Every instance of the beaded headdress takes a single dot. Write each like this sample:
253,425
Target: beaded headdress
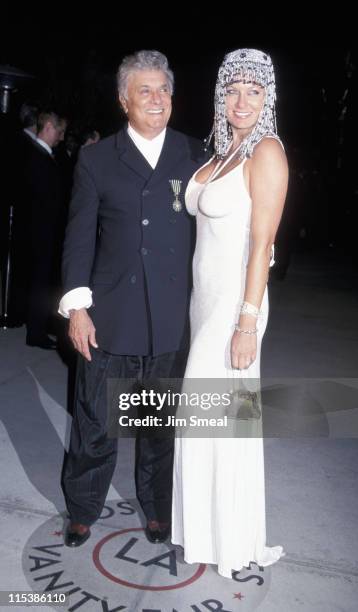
249,65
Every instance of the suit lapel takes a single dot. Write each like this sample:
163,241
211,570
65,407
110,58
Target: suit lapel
170,156
131,156
43,151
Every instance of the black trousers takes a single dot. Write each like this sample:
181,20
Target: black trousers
42,295
92,455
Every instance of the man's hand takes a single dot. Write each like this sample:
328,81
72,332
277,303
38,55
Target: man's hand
82,332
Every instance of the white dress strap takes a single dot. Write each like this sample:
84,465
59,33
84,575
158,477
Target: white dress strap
221,165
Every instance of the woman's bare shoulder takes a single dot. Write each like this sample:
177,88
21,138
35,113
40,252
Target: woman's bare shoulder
269,156
267,148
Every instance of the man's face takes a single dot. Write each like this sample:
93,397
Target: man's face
148,103
56,132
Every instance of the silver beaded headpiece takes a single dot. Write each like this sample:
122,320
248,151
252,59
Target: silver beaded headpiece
249,65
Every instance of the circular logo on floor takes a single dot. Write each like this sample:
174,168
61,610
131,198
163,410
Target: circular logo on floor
118,569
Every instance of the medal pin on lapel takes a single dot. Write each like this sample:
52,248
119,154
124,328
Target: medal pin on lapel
176,187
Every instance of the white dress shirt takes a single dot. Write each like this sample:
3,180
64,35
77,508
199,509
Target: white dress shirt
30,133
150,149
81,297
44,145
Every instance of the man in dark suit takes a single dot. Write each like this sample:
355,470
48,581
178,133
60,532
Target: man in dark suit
127,257
19,148
45,201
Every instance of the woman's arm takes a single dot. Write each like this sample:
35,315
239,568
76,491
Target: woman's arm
268,178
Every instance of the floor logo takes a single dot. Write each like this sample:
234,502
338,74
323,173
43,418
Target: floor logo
118,569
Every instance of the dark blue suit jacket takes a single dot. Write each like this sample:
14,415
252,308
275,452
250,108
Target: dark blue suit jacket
126,243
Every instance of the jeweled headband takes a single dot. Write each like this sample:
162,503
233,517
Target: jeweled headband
249,65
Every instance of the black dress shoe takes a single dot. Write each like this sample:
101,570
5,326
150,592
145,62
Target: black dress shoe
157,533
44,343
74,538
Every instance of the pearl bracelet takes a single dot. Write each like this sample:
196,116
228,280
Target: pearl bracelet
245,331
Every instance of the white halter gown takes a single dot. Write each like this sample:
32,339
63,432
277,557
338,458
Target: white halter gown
218,513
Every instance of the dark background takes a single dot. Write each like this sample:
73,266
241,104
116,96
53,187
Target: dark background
74,69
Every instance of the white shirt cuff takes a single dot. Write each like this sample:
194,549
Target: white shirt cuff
81,297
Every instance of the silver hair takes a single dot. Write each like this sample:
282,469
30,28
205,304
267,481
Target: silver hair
253,66
28,115
142,60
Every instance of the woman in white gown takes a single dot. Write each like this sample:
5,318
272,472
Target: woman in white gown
218,513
